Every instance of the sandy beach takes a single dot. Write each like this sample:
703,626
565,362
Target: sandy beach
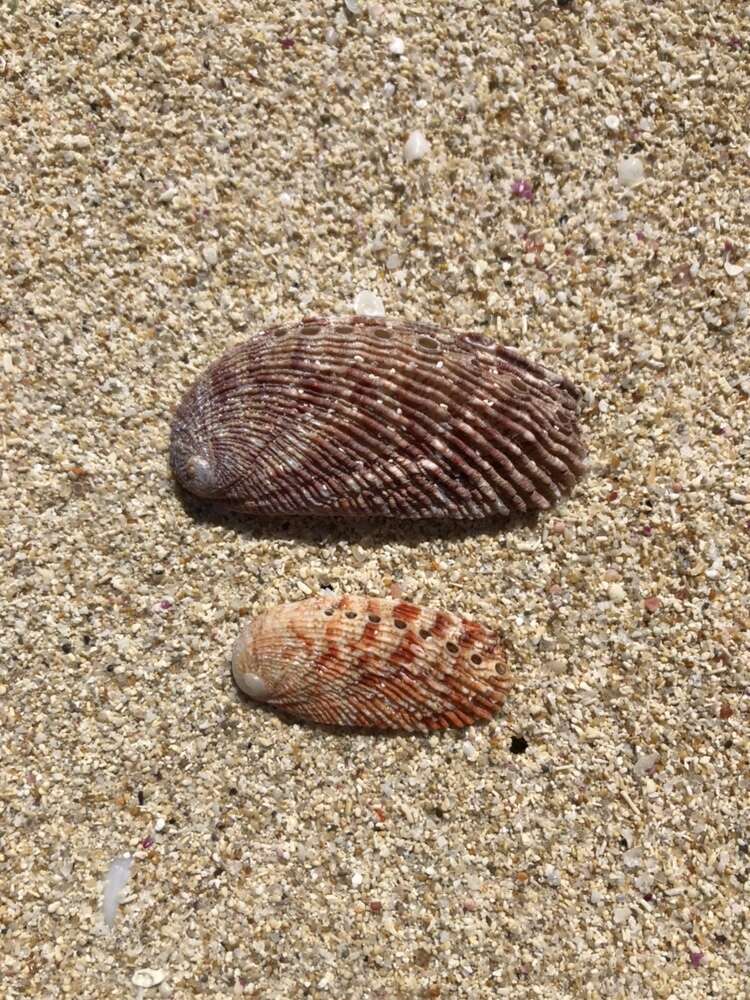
173,179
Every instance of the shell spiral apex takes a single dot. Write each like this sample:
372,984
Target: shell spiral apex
368,416
374,663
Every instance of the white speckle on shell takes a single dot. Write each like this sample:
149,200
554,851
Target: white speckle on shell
416,147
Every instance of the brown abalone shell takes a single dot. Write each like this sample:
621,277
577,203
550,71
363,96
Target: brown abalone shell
369,416
363,661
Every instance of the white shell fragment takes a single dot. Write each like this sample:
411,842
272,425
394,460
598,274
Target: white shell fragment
612,122
417,146
368,304
146,978
733,270
397,47
630,171
117,877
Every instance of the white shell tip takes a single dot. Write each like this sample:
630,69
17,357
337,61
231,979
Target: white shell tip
200,472
250,683
253,686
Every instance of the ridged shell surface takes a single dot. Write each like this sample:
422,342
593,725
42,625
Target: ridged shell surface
361,661
368,416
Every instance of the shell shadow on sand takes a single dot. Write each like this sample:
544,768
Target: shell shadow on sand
455,735
369,532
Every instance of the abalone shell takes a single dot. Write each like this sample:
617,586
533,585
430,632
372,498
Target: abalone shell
369,416
375,663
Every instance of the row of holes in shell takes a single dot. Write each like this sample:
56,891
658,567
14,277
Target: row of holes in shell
476,659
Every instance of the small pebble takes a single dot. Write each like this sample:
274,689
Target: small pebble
620,914
612,122
417,146
632,858
644,763
630,171
470,751
552,875
396,47
368,304
146,978
617,593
